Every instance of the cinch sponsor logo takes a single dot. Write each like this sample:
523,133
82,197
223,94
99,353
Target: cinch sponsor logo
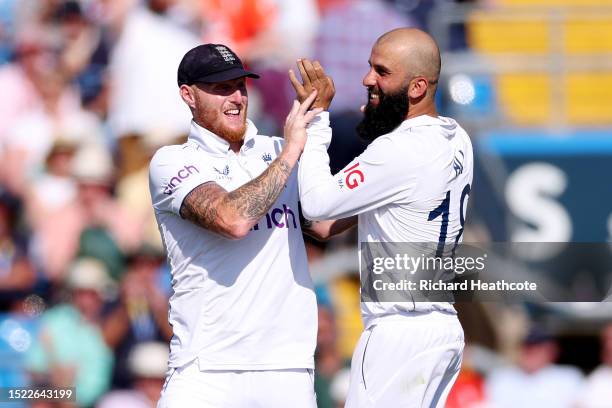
182,174
278,218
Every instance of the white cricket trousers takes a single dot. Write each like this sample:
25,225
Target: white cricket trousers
188,387
406,361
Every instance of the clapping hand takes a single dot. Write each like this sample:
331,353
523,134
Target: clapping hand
314,78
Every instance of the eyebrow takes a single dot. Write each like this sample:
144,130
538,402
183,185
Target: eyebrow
380,68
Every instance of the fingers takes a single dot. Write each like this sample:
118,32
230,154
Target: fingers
307,102
330,82
310,70
311,114
297,85
319,71
292,112
305,78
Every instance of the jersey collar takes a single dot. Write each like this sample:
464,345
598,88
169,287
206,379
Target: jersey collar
426,120
212,143
446,126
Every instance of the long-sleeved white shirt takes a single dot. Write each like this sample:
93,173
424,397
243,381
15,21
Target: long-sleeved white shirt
411,185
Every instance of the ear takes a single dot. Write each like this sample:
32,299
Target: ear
417,87
187,95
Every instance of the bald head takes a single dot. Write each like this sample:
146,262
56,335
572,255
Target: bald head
403,75
416,50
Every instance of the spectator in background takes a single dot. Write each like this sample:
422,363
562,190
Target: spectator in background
597,392
142,76
51,193
328,361
7,27
17,277
86,47
21,79
240,24
107,232
94,225
147,364
133,189
18,327
536,381
70,350
347,31
141,314
17,307
31,137
80,38
269,35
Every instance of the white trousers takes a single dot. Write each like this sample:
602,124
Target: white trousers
188,387
406,361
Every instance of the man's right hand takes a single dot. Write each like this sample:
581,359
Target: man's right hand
297,120
313,77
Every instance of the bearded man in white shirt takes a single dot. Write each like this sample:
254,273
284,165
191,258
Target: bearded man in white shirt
243,311
410,185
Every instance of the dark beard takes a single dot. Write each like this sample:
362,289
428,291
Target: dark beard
390,112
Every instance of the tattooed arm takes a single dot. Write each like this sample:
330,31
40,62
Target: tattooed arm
233,214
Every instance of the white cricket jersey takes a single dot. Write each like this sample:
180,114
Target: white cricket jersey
411,185
237,304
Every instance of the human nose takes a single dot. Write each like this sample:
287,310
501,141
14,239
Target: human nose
236,96
369,79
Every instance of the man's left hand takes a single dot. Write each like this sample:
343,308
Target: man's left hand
313,77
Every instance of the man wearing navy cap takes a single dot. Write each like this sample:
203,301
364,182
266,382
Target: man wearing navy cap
243,311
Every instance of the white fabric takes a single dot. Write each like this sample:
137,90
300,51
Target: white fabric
295,29
54,191
189,386
406,362
237,304
124,399
143,69
597,391
553,386
393,186
34,132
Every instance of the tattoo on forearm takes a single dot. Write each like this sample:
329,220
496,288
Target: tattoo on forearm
253,199
199,205
250,201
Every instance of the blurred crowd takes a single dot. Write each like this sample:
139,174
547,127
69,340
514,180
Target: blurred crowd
88,93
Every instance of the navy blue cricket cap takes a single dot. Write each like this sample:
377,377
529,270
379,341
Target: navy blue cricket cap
211,63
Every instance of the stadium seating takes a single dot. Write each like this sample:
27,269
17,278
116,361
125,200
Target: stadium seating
571,38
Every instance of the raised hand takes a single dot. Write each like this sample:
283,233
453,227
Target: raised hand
298,118
313,77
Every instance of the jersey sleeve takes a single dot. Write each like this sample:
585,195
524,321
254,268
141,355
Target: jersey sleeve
380,175
174,173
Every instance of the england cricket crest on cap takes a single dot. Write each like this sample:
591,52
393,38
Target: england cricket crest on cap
227,55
